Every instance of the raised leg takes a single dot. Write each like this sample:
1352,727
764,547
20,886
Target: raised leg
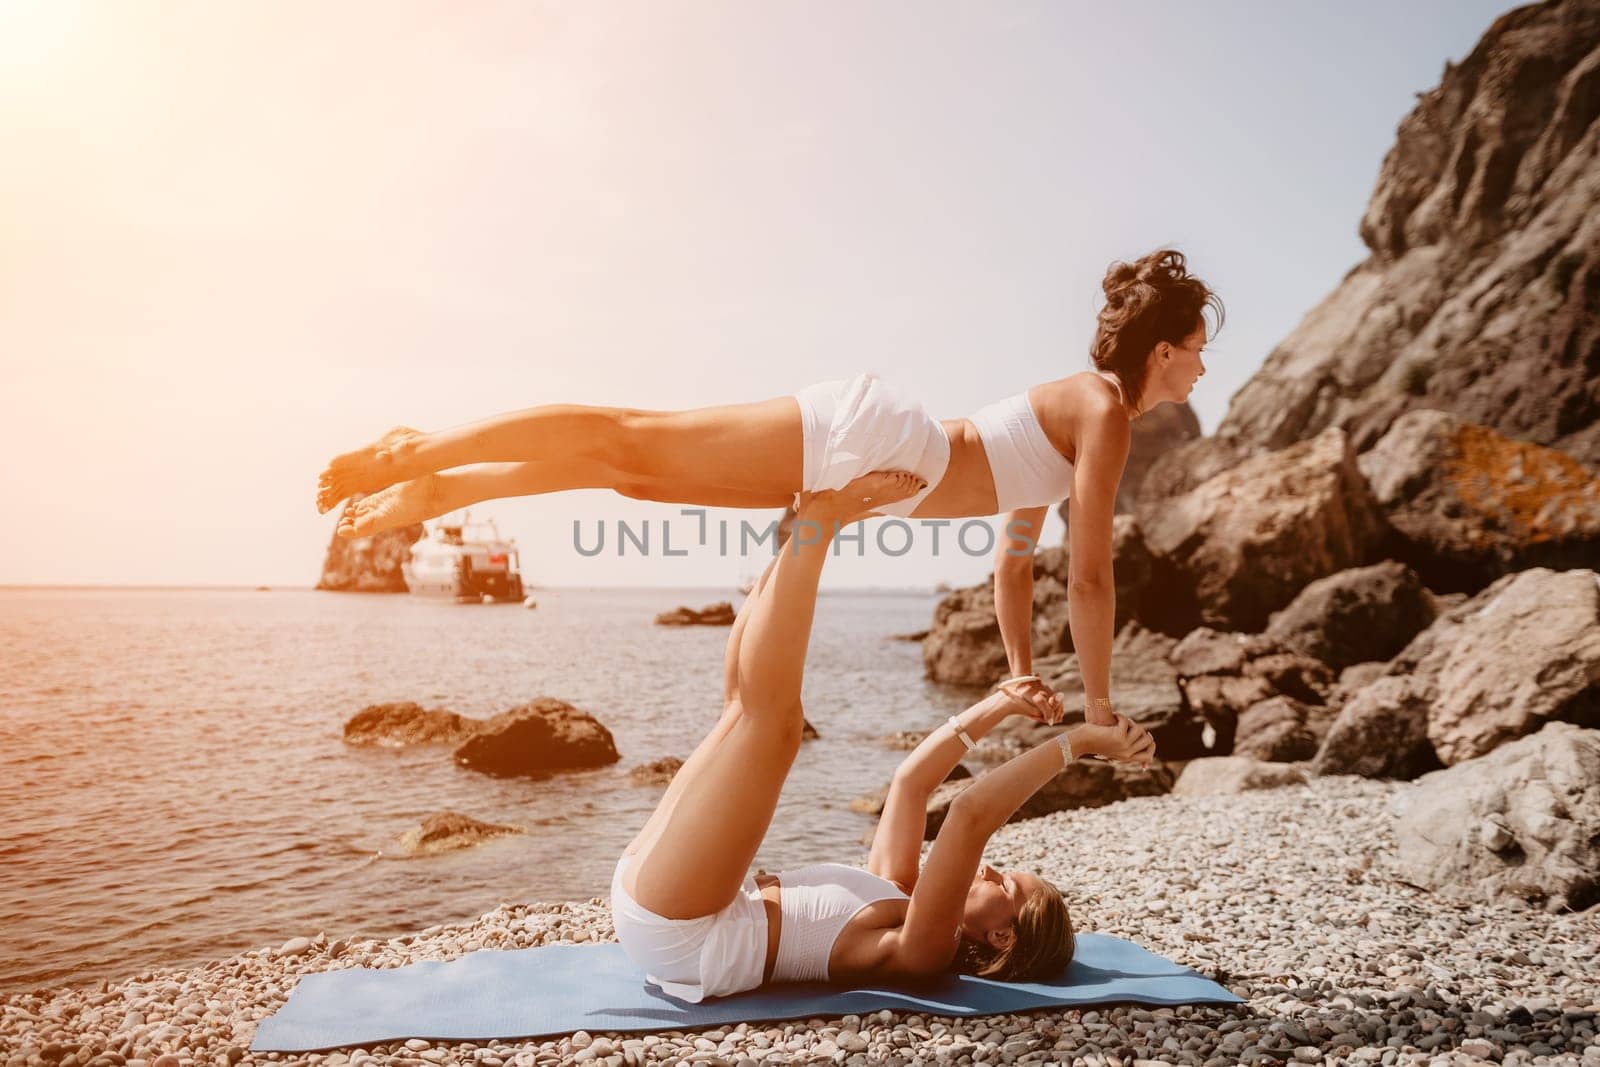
753,447
730,711
432,495
708,835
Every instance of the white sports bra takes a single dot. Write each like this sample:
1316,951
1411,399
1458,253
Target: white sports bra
1028,471
816,903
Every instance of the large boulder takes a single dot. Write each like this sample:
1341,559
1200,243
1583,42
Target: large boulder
1277,730
1528,653
1224,676
1357,615
369,564
1217,775
407,723
538,739
1245,542
1481,289
1466,505
1190,465
1523,821
1382,732
1498,666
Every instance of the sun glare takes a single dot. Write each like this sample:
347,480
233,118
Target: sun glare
34,33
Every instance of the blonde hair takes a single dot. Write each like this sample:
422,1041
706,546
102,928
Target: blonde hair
1042,949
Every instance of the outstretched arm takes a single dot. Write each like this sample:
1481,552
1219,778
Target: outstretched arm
897,844
933,920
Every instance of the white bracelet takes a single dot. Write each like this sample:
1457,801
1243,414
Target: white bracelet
1064,743
965,740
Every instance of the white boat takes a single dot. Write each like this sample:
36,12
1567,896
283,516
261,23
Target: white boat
466,561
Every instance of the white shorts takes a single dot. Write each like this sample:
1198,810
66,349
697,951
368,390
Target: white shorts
692,959
858,425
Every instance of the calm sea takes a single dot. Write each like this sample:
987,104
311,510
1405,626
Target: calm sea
174,787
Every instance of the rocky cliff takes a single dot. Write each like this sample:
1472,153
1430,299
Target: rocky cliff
1384,562
369,564
1481,295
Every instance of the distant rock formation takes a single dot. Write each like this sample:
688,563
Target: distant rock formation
369,564
1481,295
718,614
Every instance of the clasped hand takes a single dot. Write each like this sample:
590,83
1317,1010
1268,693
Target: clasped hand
1124,741
1038,701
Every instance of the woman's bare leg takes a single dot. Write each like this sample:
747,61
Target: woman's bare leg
755,447
709,833
433,495
730,712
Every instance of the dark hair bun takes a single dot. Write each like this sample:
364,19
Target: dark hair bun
1150,300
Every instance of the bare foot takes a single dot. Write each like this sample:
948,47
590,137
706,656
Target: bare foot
366,470
859,499
388,509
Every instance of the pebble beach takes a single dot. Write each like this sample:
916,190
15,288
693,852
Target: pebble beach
1285,896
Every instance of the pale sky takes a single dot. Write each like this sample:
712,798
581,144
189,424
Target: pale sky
237,238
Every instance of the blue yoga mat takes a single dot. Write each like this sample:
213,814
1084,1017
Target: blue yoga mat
556,989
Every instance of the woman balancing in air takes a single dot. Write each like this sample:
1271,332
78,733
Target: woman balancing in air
1019,456
691,917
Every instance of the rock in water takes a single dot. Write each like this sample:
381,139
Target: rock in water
1481,291
1523,820
536,739
656,772
1467,505
719,614
369,564
407,723
448,831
